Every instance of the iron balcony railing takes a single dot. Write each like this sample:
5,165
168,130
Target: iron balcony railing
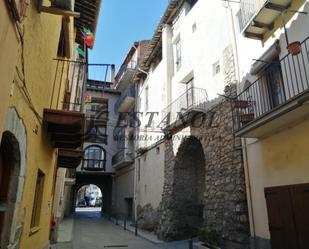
193,99
248,8
279,82
123,156
74,75
129,92
94,165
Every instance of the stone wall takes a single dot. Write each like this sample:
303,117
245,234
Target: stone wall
148,218
224,198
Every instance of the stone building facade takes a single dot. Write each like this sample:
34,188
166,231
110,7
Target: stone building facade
204,180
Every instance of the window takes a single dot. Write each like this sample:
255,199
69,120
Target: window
94,157
216,68
190,93
241,25
274,83
190,84
178,55
61,45
37,204
146,98
194,27
158,150
139,169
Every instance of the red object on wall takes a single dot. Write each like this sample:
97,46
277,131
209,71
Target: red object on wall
53,222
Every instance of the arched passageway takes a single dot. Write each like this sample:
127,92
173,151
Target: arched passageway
189,184
102,181
88,198
9,185
184,204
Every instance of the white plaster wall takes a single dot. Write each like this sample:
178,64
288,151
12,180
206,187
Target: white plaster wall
156,95
111,147
124,188
149,186
201,48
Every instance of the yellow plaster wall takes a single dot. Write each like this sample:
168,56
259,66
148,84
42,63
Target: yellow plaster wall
41,37
281,159
8,56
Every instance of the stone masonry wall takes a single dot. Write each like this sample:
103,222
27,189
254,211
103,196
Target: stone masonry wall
224,202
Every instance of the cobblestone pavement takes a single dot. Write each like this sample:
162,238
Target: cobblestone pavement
91,231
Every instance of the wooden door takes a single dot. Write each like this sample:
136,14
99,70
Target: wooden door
300,200
1,176
280,217
288,216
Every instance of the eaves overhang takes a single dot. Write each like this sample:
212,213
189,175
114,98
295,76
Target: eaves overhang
263,21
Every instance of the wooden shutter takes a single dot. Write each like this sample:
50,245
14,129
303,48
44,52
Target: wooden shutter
280,217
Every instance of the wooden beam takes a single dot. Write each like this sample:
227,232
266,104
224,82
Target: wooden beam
253,35
56,11
68,39
263,25
277,7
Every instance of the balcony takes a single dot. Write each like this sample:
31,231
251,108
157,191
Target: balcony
126,74
68,158
277,99
65,128
123,158
258,16
96,120
94,158
126,101
185,108
64,120
93,165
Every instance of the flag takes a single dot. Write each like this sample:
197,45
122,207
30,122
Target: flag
81,52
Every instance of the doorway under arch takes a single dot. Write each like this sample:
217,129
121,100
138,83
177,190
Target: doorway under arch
184,205
10,162
88,198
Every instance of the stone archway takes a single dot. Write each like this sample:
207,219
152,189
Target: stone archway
13,150
81,193
104,182
182,200
9,181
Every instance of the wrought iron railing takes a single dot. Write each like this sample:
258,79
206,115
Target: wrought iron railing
124,155
278,83
72,75
129,92
193,99
93,165
248,8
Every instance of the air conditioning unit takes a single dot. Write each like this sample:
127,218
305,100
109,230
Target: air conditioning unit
63,4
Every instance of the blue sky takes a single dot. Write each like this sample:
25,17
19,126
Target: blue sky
122,22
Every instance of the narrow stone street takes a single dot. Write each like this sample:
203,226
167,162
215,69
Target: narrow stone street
91,231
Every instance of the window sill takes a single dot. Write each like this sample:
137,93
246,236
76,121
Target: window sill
34,230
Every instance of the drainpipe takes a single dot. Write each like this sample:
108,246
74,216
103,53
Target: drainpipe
243,140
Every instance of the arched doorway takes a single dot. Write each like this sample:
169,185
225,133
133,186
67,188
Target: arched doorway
89,198
9,184
184,205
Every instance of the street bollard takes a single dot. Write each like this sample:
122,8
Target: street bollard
136,226
125,223
190,243
117,220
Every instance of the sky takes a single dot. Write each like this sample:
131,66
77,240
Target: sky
121,22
